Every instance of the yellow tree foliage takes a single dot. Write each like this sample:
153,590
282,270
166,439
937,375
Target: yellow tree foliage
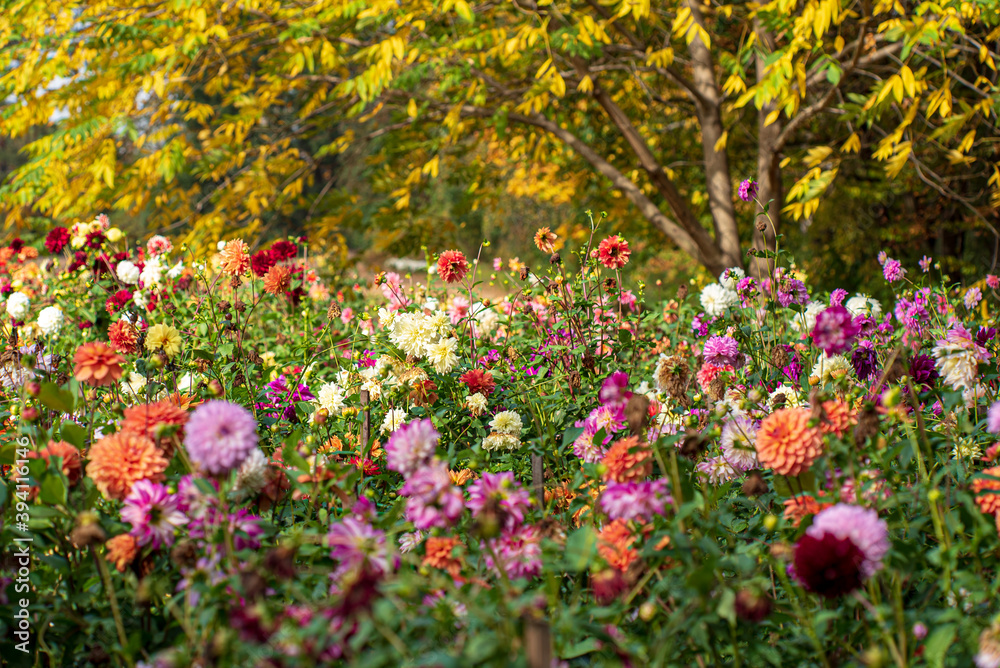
213,115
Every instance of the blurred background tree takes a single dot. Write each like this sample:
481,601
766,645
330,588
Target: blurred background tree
388,126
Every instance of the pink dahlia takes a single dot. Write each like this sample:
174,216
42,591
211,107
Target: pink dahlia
518,551
411,446
354,543
721,350
500,495
433,501
633,500
843,547
152,512
835,330
452,266
993,418
219,436
613,252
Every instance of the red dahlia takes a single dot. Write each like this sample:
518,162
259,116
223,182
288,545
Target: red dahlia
261,262
478,380
284,250
613,252
828,566
452,266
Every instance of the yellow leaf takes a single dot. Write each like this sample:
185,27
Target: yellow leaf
838,44
906,74
720,145
586,85
463,10
411,108
772,117
852,145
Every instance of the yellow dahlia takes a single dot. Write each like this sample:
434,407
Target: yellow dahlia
165,338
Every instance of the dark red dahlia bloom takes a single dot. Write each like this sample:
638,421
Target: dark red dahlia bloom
57,239
478,380
284,250
79,261
117,301
16,244
95,239
452,266
828,566
261,261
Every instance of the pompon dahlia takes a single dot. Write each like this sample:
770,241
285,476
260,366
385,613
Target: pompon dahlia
277,280
119,461
987,490
123,337
842,548
70,455
122,550
148,419
613,252
284,250
720,351
235,258
220,435
838,418
786,443
452,266
628,460
97,364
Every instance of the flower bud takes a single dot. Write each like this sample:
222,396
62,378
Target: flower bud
33,388
30,414
646,611
215,388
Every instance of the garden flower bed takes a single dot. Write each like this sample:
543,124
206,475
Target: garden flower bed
237,460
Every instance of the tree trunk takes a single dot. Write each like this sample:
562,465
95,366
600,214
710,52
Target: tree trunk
769,190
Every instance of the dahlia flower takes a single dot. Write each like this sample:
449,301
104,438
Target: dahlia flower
50,320
96,364
18,305
411,446
958,356
786,443
843,547
715,299
720,351
452,266
220,436
518,551
119,461
432,501
152,512
507,422
835,330
613,252
635,500
163,337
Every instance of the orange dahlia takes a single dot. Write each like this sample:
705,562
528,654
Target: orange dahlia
459,478
786,443
545,240
989,502
123,337
277,280
614,544
121,551
145,419
235,258
839,418
802,506
71,462
439,554
97,364
119,461
627,460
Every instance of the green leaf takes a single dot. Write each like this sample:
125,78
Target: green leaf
727,606
579,649
937,645
56,398
571,435
580,548
73,433
624,337
53,490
